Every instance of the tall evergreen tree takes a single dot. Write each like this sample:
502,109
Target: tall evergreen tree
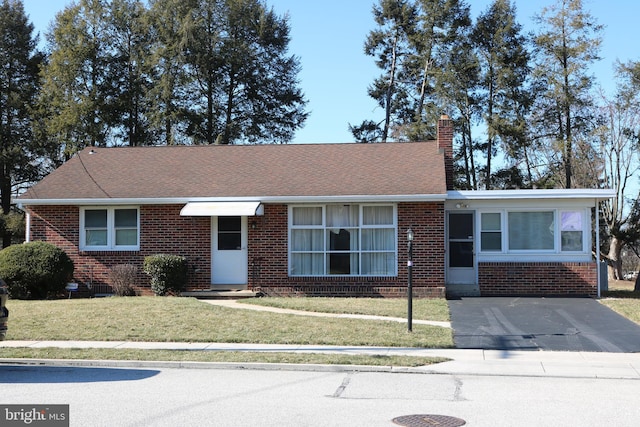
247,88
390,44
128,105
569,43
19,83
504,70
442,25
169,92
76,77
458,91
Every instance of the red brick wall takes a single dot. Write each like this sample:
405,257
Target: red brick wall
162,230
538,279
268,264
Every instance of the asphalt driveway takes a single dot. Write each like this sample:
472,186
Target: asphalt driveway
555,324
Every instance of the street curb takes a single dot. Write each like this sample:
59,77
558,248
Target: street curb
150,364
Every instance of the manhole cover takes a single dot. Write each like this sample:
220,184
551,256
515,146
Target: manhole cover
428,420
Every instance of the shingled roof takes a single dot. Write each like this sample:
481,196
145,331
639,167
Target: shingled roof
263,172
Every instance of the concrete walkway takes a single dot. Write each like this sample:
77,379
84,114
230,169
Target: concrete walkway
237,304
462,362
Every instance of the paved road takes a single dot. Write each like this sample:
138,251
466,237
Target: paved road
214,397
558,324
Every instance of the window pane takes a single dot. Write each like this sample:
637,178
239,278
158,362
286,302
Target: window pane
307,264
229,241
378,239
343,263
490,221
571,240
377,215
96,238
380,264
126,218
343,240
307,216
307,240
95,218
571,221
342,215
460,226
531,230
490,241
127,237
229,223
461,254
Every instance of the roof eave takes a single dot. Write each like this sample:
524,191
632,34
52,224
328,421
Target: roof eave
572,193
266,199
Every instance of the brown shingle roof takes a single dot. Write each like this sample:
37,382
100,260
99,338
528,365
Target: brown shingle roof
260,171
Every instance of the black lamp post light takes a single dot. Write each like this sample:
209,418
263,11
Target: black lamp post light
410,285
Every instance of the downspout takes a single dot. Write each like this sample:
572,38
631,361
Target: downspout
597,251
27,234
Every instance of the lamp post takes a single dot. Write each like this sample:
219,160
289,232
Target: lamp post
410,285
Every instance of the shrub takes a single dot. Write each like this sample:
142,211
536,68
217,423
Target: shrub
122,279
168,273
35,270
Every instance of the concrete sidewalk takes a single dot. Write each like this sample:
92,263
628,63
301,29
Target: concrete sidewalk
463,362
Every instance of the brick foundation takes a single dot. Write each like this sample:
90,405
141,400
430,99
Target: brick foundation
538,279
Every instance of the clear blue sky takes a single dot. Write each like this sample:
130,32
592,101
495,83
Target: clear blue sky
328,36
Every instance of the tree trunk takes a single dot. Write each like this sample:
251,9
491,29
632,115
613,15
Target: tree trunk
614,261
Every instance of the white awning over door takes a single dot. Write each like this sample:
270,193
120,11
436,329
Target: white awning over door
222,209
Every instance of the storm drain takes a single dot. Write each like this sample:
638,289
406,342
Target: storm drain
428,420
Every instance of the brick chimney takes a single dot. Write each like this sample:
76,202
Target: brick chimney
444,139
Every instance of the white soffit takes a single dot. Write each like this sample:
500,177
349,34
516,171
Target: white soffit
222,209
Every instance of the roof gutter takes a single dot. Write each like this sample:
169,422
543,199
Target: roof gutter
268,199
570,193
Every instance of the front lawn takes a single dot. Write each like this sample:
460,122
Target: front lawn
190,320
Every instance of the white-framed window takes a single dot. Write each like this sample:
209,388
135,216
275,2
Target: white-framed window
491,232
571,231
343,240
110,228
533,231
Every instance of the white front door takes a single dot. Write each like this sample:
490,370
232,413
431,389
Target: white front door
229,255
461,263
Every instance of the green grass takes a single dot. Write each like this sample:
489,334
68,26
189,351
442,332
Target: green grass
423,309
190,320
216,356
623,299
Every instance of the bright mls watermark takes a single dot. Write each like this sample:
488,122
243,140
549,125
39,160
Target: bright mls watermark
34,415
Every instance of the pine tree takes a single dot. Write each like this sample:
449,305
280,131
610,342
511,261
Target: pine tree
247,89
569,44
505,68
389,43
76,78
19,83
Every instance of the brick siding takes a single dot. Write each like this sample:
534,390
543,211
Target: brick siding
163,230
268,263
538,279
